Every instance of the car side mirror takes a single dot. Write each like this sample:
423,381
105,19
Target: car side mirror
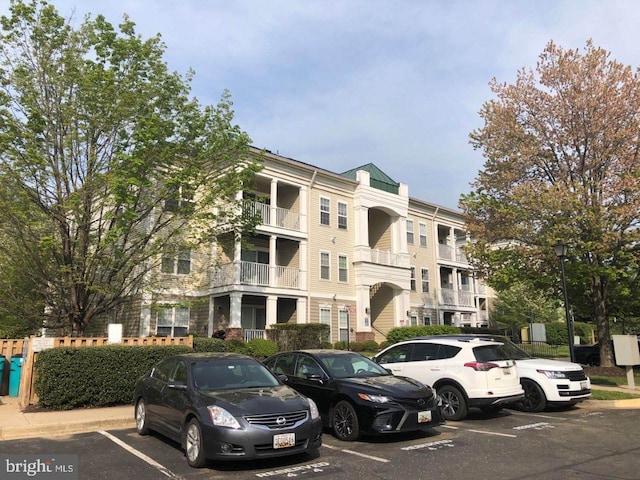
283,378
315,377
389,370
177,385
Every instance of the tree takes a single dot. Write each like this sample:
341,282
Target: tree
561,147
521,305
105,161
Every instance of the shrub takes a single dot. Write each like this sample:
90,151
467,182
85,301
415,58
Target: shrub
205,344
557,333
340,345
293,336
399,334
371,346
238,346
261,348
356,347
72,377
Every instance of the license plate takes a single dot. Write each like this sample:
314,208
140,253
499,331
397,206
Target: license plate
583,385
424,416
284,440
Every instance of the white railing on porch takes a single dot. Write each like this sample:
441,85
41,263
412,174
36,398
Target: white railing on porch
285,218
251,333
384,257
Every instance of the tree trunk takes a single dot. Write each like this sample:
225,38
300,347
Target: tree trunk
598,302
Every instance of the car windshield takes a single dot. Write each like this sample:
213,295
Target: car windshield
345,365
226,374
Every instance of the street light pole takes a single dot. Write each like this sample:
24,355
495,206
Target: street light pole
560,250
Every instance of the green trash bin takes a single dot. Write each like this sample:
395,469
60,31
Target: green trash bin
15,371
3,388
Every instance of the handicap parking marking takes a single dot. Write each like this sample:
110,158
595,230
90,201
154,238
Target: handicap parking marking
311,470
161,468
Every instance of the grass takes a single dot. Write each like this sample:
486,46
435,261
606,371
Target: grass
612,381
611,395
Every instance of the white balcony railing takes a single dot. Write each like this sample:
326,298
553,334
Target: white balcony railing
257,274
445,252
384,257
447,296
284,218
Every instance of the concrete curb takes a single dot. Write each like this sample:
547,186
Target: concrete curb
47,431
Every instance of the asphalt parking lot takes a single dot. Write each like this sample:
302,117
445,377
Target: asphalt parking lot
580,442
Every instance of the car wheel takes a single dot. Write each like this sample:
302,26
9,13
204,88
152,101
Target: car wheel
193,444
345,422
141,418
534,399
491,409
454,404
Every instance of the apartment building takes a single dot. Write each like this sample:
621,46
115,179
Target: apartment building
352,250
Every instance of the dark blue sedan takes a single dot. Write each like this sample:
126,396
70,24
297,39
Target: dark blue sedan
225,406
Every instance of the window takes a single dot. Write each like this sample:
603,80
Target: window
176,261
343,325
426,320
410,232
413,320
325,211
179,196
325,318
423,234
425,351
325,266
425,280
342,215
413,279
343,272
173,321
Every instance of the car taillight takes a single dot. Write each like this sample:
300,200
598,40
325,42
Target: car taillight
481,366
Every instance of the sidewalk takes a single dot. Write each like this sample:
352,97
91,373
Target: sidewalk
15,424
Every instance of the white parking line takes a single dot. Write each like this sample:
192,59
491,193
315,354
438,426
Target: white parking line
377,459
537,415
140,455
480,431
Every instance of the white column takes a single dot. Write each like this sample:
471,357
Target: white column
301,310
363,309
274,202
235,307
272,310
272,261
304,196
401,305
210,318
303,265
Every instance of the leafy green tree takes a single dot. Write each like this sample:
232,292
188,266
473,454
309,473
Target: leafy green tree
561,153
521,304
105,161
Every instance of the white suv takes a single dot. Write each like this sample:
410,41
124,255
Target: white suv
464,372
545,381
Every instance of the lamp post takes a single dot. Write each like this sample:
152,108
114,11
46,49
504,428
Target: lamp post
560,250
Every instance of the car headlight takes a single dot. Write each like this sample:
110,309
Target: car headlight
374,398
314,409
552,374
221,418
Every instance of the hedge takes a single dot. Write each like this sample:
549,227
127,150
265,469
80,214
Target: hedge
399,334
72,377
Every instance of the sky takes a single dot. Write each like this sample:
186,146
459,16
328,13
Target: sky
340,84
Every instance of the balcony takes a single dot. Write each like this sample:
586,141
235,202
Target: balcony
447,252
256,274
461,298
284,218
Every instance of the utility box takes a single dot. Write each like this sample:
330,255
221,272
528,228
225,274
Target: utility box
626,351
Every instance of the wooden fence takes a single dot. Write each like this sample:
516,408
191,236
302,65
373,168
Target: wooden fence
27,395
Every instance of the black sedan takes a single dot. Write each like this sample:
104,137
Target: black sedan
225,406
357,396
